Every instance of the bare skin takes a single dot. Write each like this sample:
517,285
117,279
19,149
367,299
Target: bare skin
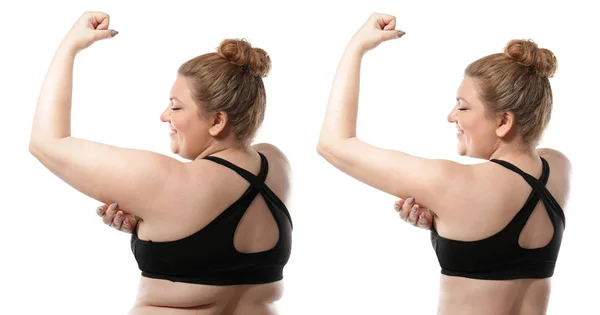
166,199
164,297
465,202
519,297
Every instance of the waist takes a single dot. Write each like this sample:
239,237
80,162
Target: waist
237,310
473,296
169,294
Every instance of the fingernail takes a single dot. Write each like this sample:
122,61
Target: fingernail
118,215
400,34
396,207
414,209
114,33
410,201
126,223
421,219
113,206
99,210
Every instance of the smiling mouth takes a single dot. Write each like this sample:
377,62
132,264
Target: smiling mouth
172,130
459,131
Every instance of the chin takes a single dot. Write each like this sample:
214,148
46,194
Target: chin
174,149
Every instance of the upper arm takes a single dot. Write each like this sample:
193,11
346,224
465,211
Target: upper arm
430,181
139,181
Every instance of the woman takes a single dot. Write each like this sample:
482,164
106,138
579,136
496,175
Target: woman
212,236
496,229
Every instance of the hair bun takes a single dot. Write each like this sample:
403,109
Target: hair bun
241,53
527,53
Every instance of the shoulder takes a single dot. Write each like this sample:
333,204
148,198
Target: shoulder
551,153
560,169
557,159
281,181
272,152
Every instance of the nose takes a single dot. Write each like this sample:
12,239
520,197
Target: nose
452,116
164,117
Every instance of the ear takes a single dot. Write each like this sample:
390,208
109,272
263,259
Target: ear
218,123
506,122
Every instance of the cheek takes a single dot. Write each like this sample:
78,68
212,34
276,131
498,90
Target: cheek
482,133
181,123
476,127
192,128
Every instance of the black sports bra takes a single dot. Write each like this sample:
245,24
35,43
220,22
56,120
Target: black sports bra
499,257
209,256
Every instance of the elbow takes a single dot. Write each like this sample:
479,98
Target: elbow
323,148
35,142
327,148
37,147
34,147
39,143
327,151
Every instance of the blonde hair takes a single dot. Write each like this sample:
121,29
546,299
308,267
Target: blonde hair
517,81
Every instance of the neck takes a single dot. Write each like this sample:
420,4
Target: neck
513,151
217,146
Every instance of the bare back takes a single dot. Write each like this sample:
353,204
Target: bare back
257,231
501,193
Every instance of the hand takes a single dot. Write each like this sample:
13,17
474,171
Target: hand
413,213
378,28
91,27
117,218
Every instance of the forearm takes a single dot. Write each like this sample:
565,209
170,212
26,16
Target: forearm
341,113
52,119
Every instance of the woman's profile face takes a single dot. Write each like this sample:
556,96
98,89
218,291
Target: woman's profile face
476,133
188,129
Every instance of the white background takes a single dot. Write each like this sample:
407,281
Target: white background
351,253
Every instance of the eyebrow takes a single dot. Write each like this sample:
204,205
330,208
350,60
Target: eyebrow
175,98
462,99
